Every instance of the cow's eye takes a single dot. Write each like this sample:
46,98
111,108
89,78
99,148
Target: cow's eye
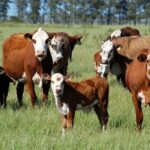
47,40
52,81
34,41
54,46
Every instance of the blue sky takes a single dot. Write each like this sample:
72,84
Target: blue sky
12,11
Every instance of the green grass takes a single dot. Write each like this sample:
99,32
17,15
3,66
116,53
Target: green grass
40,128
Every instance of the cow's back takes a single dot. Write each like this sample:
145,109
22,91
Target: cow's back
15,50
130,46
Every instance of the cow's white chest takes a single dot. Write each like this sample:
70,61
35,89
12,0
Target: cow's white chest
86,108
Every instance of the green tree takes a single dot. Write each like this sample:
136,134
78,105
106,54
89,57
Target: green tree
4,6
35,10
21,8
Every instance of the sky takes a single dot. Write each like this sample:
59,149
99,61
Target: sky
12,11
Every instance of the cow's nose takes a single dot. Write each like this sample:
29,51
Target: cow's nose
58,91
40,52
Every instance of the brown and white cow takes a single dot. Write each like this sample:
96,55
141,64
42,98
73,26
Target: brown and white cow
125,46
124,32
4,86
71,96
22,55
138,82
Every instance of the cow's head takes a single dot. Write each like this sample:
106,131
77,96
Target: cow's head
57,84
101,69
116,34
56,47
40,39
107,52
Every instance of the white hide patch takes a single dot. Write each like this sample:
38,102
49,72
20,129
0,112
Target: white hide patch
116,33
103,69
37,79
107,51
55,49
40,45
141,96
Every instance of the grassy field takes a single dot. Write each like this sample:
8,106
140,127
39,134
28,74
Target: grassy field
40,128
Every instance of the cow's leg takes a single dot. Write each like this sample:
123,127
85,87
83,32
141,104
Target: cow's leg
64,123
97,111
45,89
32,93
1,98
138,111
103,103
5,94
20,89
70,118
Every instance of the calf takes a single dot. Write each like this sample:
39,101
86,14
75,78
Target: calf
4,86
138,82
83,95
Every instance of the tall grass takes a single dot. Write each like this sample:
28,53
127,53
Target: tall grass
40,128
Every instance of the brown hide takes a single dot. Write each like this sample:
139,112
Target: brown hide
85,93
129,46
128,31
136,80
18,57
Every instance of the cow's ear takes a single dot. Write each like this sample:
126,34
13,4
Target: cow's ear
28,36
2,71
51,34
68,78
78,39
46,77
142,57
118,47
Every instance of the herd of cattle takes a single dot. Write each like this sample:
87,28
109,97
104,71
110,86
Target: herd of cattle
42,58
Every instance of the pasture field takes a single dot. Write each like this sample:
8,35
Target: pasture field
40,128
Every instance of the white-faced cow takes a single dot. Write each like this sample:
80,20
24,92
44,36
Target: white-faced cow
84,95
125,46
22,55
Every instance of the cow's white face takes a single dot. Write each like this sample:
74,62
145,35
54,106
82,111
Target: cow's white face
102,69
107,52
57,84
116,33
56,48
39,39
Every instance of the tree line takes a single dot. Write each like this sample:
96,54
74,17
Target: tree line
78,11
